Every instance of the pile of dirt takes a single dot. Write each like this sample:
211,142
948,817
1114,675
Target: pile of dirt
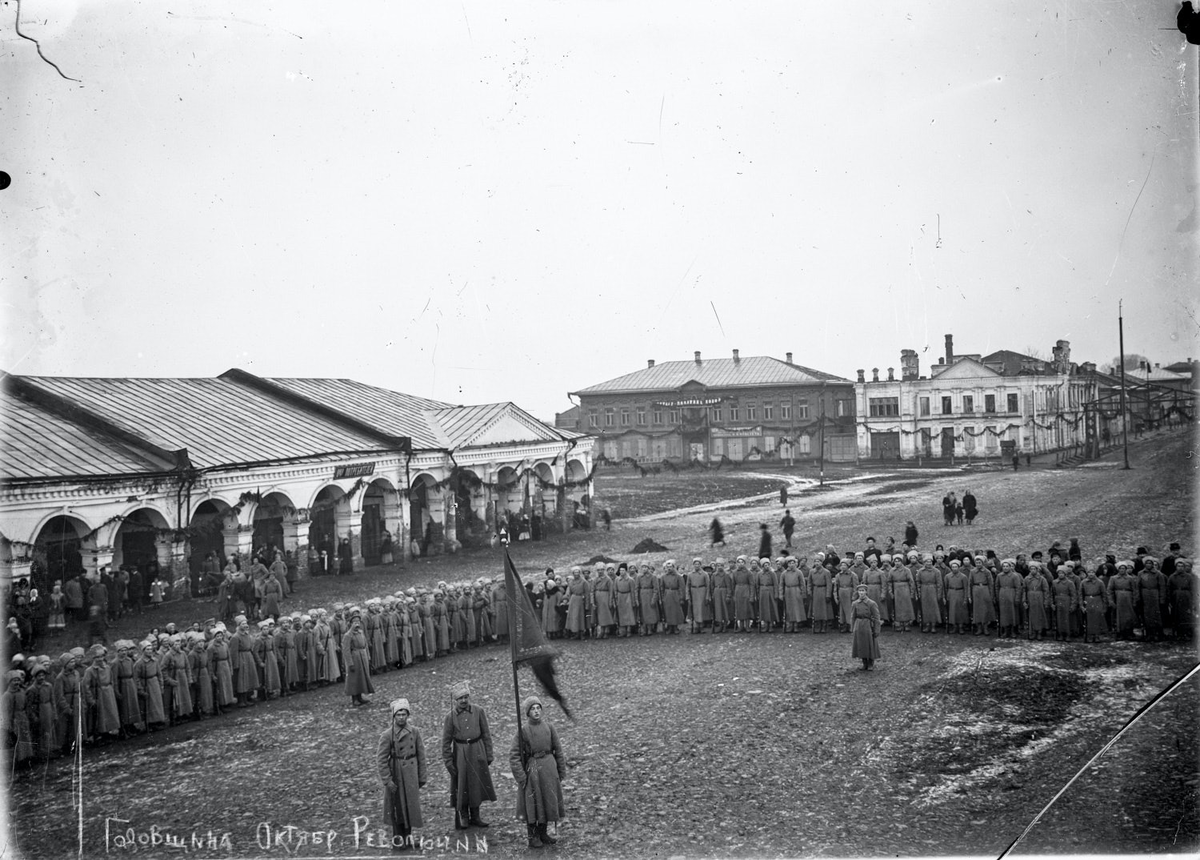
601,559
648,545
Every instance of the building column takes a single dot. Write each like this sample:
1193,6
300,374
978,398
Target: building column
14,569
295,540
446,501
95,558
239,541
173,561
402,537
354,532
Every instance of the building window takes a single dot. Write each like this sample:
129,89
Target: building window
989,403
802,408
641,416
1012,403
968,403
882,407
593,418
768,412
624,417
768,443
714,414
804,444
673,416
842,408
946,407
924,405
610,416
735,412
752,413
785,411
658,416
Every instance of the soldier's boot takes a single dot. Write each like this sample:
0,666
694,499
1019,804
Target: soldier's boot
534,838
544,836
475,820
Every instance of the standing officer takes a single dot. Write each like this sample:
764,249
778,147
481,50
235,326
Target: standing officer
467,754
401,766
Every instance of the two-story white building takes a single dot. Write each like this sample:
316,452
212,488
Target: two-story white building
973,406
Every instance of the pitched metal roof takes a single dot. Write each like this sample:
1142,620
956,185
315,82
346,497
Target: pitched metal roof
459,426
390,411
218,421
751,371
35,443
1012,362
60,427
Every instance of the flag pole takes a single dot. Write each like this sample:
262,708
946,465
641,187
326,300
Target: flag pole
512,639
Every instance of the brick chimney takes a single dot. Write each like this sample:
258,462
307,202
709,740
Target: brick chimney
1062,356
789,358
909,364
650,362
735,357
891,374
874,374
862,375
697,356
949,349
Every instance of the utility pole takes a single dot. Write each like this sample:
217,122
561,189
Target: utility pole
822,435
1124,418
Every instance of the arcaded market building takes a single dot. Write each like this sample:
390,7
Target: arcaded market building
100,472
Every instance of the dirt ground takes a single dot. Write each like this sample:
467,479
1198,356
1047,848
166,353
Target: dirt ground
752,745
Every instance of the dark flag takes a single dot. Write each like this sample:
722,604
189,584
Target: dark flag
528,642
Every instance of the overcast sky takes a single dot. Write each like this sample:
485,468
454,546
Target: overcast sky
486,201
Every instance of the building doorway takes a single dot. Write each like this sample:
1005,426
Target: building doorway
948,442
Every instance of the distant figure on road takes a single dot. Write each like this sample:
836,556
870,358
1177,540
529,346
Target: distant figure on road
788,524
718,533
607,517
1017,462
970,507
948,502
910,534
783,496
764,542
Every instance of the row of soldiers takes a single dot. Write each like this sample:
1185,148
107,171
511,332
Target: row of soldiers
957,592
105,694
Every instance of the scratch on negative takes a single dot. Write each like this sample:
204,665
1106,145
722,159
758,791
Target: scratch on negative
37,45
1130,217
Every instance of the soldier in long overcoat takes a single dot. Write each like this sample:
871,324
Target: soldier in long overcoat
864,616
400,763
604,599
820,583
795,589
743,595
1152,597
699,595
649,598
625,590
722,597
1037,601
467,754
356,652
673,594
100,696
538,766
